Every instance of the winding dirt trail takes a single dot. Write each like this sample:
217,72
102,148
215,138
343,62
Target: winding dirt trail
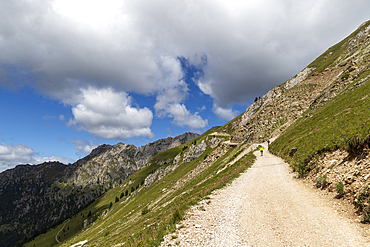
266,206
56,236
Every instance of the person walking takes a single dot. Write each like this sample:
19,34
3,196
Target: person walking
261,150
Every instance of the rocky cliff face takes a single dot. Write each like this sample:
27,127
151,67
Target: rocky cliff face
188,154
35,197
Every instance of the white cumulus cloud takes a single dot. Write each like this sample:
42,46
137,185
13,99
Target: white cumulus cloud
109,114
12,155
84,147
182,116
172,95
225,113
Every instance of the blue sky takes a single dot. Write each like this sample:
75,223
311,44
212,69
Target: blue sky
77,74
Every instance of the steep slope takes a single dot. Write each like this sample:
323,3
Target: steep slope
327,109
35,197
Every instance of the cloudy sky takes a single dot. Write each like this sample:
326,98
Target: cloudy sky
78,73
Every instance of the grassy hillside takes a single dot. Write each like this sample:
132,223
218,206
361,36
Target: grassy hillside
133,213
333,126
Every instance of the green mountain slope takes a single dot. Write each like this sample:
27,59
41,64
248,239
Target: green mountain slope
331,127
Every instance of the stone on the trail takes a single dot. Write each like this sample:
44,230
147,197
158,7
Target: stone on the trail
349,180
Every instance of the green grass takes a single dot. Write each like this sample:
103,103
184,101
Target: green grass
331,127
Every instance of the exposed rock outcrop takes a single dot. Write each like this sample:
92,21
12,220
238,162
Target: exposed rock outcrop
331,169
189,154
274,93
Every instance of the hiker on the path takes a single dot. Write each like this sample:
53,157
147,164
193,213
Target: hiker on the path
268,142
261,149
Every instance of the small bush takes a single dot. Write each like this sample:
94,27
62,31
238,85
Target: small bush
321,181
117,200
318,182
177,216
356,146
345,76
145,211
340,188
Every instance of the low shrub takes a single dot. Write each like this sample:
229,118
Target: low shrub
345,76
321,181
356,146
176,217
340,189
145,211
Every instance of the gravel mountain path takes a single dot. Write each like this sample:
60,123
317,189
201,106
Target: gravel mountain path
267,206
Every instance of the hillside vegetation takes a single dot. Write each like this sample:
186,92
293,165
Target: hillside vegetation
336,125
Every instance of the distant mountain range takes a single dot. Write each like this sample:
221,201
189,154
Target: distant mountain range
34,198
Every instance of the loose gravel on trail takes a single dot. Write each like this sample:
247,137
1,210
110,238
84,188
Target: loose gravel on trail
266,206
